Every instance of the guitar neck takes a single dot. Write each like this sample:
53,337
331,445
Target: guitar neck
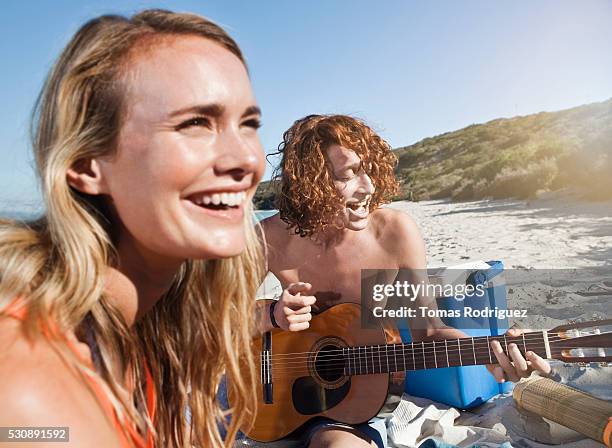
387,358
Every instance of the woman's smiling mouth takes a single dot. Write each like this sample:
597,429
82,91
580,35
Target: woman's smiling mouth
219,200
224,205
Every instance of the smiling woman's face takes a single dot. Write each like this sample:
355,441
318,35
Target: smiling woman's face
189,157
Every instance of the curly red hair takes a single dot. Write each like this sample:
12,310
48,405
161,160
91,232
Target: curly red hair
307,199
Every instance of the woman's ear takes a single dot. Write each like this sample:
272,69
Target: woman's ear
87,177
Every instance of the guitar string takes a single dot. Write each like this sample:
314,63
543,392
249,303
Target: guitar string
366,358
427,344
389,350
367,355
532,335
340,370
431,346
357,369
358,356
371,355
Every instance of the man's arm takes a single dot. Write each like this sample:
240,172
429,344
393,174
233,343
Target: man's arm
410,254
293,310
262,316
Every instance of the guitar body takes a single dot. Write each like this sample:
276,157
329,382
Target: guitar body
307,379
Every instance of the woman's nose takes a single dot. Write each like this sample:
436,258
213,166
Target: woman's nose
239,155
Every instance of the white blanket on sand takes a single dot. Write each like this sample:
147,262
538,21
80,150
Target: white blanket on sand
497,421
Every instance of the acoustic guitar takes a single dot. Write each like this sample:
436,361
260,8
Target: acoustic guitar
338,370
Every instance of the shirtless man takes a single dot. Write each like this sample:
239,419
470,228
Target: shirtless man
335,173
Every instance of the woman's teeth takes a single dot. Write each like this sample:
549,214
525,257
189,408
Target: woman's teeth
223,199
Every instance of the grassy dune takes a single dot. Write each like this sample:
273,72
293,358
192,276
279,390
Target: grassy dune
508,157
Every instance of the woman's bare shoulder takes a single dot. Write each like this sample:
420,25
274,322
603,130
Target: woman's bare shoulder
38,388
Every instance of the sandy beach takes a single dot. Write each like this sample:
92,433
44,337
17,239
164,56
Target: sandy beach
554,231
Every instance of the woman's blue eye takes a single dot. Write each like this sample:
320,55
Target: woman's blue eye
203,121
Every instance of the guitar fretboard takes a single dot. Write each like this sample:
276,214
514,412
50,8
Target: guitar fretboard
387,358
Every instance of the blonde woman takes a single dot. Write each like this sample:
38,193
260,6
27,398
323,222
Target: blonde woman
123,306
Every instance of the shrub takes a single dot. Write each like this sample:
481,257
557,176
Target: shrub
523,182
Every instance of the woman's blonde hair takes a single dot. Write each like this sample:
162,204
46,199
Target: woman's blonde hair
198,330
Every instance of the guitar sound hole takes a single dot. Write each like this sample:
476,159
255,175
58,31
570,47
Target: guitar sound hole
329,363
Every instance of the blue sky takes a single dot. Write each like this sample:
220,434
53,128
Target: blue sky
412,69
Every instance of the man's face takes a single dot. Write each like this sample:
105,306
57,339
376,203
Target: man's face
353,184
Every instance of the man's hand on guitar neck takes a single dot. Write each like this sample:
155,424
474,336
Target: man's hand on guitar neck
515,367
292,312
511,368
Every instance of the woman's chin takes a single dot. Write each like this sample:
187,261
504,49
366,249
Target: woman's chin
221,246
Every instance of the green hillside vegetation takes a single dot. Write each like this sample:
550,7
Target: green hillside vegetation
516,157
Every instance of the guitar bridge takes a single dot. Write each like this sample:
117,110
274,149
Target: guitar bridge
266,368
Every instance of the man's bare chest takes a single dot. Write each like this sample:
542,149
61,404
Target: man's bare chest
335,276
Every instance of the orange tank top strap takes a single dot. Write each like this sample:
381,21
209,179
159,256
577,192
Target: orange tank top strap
17,309
150,393
151,404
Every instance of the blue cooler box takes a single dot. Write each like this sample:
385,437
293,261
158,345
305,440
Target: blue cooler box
469,386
